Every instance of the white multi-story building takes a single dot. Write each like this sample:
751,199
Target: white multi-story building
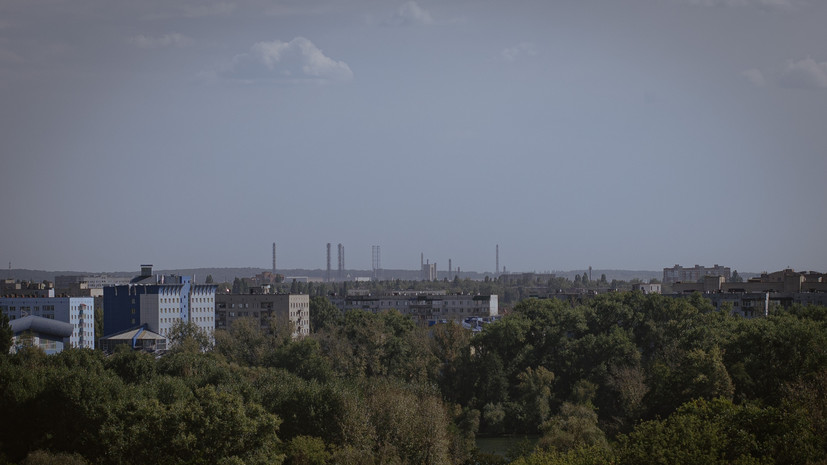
157,303
77,311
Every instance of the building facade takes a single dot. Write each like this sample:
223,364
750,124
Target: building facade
647,288
13,288
77,311
754,297
423,306
294,308
158,303
680,274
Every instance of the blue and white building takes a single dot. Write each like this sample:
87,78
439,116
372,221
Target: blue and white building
77,311
157,303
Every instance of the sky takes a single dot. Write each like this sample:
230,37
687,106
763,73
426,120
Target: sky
634,134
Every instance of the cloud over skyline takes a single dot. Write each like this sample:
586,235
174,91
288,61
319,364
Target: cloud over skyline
805,74
524,49
297,59
754,76
410,13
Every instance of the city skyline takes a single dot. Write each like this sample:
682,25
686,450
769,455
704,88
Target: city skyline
622,135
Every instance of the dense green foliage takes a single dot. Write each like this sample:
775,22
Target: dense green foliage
622,378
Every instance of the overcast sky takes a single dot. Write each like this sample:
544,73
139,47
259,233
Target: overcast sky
631,134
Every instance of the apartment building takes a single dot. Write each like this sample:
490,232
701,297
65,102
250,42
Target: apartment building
77,311
158,303
680,274
294,308
422,306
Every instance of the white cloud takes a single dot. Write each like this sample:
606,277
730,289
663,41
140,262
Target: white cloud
215,9
166,40
805,74
410,13
754,76
298,59
518,51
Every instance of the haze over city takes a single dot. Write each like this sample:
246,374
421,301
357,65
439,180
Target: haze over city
633,135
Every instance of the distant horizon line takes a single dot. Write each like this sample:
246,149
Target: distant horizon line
368,270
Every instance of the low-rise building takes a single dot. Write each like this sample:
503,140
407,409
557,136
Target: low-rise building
77,311
294,308
647,288
51,336
136,339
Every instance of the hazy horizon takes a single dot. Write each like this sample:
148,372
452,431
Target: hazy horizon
620,135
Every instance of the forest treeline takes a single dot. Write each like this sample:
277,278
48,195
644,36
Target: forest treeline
623,378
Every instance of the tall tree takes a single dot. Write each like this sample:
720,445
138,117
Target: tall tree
6,334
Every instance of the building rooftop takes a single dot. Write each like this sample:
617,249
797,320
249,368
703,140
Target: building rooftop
41,325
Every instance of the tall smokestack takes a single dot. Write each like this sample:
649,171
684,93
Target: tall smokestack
376,261
341,261
497,271
274,258
327,275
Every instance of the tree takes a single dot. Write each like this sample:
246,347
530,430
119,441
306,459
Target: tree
736,278
239,286
6,334
243,342
186,336
306,450
209,279
574,426
323,314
